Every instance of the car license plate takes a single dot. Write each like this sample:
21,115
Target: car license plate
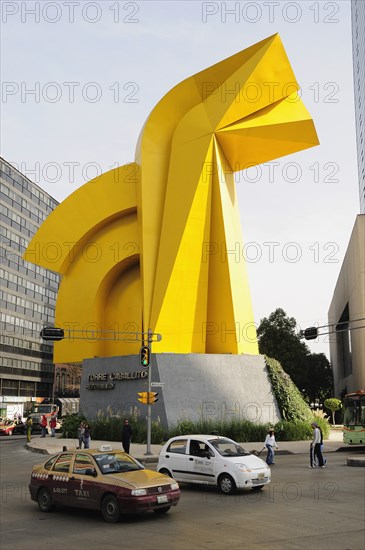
261,476
161,498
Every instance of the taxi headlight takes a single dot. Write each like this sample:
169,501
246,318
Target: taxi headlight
174,486
243,467
139,492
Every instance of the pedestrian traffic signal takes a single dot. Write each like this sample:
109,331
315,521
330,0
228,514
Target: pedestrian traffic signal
52,334
145,356
311,333
148,397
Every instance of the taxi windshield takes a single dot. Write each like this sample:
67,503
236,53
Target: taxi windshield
111,463
227,447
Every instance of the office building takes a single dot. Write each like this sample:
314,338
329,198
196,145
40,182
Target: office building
27,295
358,52
347,310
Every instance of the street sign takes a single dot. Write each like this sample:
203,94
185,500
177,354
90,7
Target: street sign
157,384
52,334
311,333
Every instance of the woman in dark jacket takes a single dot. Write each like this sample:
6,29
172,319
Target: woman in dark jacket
126,435
86,436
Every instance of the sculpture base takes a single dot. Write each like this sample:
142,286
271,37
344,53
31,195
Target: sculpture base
196,387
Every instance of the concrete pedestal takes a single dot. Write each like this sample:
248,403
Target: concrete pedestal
190,386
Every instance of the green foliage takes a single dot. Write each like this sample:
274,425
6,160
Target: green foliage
279,338
293,431
158,432
239,430
333,405
323,424
300,430
70,424
109,428
291,404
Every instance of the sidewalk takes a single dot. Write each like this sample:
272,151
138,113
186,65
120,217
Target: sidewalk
52,445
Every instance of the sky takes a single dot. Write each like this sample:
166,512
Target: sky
80,78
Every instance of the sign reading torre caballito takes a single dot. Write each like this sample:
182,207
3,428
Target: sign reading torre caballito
106,380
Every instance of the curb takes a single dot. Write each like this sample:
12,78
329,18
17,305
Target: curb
358,461
35,450
352,449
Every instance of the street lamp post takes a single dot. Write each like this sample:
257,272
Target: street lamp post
51,333
149,411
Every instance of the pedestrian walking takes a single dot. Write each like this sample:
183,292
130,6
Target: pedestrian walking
270,444
322,447
80,434
126,435
44,425
53,424
28,426
86,436
316,458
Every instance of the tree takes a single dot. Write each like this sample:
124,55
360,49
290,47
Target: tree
333,405
278,338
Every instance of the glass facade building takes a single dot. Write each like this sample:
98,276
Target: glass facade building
347,309
27,294
358,52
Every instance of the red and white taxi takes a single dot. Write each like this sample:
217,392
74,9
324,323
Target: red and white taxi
101,479
10,427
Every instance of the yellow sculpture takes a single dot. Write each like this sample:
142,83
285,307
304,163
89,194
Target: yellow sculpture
147,245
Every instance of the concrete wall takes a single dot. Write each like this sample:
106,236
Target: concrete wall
350,289
195,387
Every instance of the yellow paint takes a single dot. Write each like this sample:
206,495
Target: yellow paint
155,244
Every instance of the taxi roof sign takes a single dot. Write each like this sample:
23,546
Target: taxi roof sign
105,448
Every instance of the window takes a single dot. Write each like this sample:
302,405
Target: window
198,448
82,463
62,463
343,339
178,446
48,465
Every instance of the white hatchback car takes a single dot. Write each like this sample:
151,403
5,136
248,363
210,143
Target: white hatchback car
213,460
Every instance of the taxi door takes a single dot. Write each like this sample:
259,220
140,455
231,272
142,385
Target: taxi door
175,458
201,462
84,487
59,480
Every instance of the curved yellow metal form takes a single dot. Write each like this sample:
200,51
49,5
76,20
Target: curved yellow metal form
149,245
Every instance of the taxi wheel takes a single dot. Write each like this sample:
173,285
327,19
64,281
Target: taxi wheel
44,500
226,484
110,509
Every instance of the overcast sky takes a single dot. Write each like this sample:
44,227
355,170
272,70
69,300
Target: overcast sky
80,78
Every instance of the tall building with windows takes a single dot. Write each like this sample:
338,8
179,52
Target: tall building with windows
27,295
358,52
347,310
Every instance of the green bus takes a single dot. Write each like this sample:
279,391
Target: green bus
354,418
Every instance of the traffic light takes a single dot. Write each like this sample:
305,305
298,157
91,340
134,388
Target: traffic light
148,397
52,333
145,356
311,333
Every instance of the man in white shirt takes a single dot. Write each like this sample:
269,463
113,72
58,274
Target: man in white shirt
270,443
315,448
